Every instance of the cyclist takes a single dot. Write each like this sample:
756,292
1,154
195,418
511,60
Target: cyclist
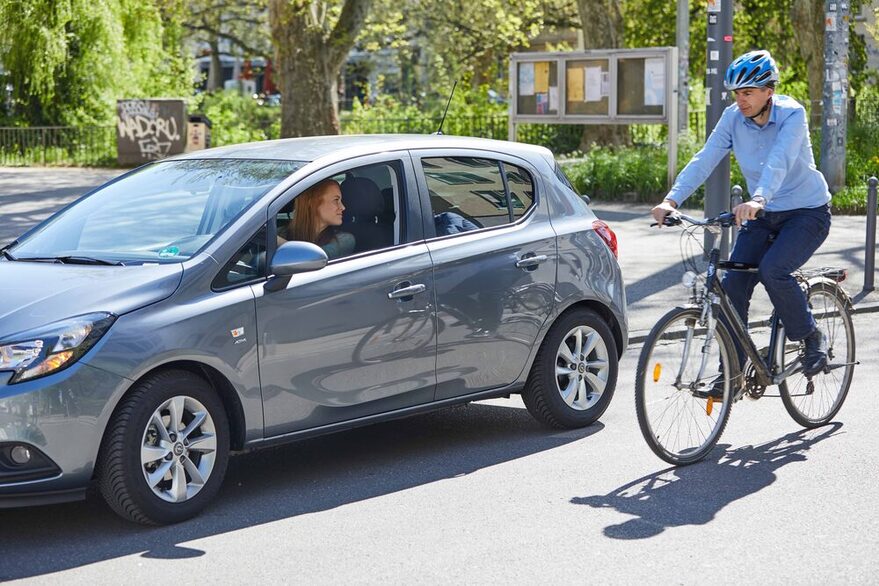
769,135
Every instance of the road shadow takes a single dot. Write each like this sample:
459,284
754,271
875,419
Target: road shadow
693,495
284,482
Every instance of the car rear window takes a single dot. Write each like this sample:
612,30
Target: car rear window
469,193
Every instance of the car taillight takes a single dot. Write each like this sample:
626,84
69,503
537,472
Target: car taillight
607,235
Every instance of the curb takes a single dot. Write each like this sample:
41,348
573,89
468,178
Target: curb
638,336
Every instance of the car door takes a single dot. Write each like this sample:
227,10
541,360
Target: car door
357,337
494,257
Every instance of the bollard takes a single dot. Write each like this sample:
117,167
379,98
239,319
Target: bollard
870,257
735,198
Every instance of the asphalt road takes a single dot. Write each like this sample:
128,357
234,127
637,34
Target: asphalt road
483,494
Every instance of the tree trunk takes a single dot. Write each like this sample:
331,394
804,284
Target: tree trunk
307,84
807,17
309,57
602,25
215,70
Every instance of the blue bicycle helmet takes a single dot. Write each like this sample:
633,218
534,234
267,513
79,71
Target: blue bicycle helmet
753,69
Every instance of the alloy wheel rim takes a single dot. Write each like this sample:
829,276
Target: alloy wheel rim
178,449
582,368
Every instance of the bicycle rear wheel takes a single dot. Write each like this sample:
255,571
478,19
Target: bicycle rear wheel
675,370
815,402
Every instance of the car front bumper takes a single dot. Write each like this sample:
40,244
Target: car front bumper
50,433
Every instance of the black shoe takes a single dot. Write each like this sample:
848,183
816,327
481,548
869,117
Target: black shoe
815,354
714,389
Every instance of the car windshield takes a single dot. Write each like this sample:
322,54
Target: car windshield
164,212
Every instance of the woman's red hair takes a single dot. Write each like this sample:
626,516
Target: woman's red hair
305,222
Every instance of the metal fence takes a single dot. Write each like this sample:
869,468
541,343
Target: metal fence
58,145
96,145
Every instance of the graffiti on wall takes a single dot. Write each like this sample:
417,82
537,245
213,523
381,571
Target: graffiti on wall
150,129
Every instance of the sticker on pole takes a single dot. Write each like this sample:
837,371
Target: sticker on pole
714,5
830,22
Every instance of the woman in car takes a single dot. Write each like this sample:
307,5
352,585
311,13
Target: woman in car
317,217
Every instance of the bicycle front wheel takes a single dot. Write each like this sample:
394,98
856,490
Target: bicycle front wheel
814,402
677,369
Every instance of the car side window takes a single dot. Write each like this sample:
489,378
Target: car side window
246,265
469,193
521,189
353,211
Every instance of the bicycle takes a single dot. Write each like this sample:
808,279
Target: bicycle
690,350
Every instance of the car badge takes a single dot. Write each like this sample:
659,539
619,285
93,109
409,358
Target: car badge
237,332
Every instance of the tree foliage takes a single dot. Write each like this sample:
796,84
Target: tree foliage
462,40
69,60
792,30
243,24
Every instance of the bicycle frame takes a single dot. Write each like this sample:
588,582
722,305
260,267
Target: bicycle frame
764,367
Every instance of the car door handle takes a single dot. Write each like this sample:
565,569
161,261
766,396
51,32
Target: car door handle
407,291
531,261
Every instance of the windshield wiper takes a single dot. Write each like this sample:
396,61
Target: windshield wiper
72,260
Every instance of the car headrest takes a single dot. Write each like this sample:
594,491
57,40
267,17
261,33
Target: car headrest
362,197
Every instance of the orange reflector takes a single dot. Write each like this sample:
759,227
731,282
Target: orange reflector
709,406
657,370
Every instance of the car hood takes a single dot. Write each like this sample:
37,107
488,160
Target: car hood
34,294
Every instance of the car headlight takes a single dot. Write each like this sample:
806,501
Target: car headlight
53,347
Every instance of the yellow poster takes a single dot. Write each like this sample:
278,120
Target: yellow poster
575,84
541,77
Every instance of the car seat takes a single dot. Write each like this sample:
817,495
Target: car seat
365,216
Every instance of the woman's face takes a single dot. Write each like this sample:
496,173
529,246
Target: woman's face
329,211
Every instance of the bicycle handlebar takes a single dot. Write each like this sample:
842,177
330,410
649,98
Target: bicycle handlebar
724,220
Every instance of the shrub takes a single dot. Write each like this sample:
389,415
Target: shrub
236,118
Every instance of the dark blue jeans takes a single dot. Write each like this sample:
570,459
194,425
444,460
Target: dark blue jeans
798,234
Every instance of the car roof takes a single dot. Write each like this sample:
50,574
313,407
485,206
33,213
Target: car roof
348,145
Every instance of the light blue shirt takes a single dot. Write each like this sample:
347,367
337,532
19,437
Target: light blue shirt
776,159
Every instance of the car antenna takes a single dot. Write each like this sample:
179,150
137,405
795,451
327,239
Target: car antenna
446,111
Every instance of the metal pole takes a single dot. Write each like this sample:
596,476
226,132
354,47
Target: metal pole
870,257
735,199
683,40
673,122
835,96
720,30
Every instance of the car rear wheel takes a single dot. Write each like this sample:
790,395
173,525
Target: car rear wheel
574,375
166,449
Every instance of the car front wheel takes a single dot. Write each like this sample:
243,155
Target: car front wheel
574,375
166,449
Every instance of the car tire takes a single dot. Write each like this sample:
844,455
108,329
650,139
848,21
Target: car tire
169,430
565,389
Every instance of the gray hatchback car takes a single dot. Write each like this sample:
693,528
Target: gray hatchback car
180,312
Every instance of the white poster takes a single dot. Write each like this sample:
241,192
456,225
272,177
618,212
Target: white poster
654,81
605,84
553,98
593,84
526,79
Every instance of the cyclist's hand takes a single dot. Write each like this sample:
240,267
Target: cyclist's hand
662,210
746,211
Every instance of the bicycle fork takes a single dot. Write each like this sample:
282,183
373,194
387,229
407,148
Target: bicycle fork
710,321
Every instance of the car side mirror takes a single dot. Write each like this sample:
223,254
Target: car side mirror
291,258
297,257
